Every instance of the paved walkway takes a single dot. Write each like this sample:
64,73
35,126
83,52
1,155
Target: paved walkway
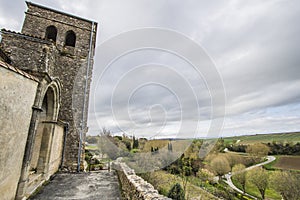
102,185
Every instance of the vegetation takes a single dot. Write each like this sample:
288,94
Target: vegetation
251,189
287,184
274,148
259,177
164,181
257,150
220,165
176,192
240,175
280,148
265,138
194,176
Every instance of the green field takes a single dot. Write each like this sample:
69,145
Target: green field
265,138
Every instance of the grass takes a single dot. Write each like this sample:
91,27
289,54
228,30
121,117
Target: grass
251,189
91,147
270,166
265,138
163,182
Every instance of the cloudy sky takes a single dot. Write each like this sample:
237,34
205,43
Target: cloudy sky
152,92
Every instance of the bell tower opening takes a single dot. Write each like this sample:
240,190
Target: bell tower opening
51,33
70,39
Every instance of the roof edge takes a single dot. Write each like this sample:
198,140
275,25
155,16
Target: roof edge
60,12
5,31
18,71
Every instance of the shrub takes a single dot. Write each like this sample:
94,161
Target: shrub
176,192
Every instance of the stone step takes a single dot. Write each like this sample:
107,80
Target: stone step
34,181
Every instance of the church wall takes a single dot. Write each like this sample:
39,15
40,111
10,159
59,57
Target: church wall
16,100
56,149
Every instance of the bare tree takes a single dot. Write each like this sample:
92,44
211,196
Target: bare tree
240,175
260,178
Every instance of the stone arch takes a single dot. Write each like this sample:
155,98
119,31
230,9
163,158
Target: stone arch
51,33
70,39
49,104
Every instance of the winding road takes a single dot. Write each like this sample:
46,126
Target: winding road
229,175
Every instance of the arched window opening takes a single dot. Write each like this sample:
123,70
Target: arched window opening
70,39
51,33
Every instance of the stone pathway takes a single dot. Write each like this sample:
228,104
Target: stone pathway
103,185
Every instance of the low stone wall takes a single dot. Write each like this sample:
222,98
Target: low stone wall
133,186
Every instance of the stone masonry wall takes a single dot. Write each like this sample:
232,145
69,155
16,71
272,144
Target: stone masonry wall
63,22
25,52
133,186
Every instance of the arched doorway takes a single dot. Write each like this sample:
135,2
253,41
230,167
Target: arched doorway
39,162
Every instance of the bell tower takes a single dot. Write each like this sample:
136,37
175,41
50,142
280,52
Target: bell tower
59,45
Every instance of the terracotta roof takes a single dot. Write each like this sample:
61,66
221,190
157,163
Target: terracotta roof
60,12
12,68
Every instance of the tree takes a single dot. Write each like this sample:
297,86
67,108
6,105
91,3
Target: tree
135,142
240,175
287,184
92,139
258,150
176,192
170,147
233,159
205,175
259,177
185,171
220,165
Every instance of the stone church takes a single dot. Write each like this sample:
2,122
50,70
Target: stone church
45,76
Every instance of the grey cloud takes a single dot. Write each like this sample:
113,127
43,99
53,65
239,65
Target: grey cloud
255,45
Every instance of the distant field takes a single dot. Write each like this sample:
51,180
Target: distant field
155,143
177,145
288,162
265,138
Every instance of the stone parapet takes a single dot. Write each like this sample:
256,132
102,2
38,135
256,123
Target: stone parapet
133,186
